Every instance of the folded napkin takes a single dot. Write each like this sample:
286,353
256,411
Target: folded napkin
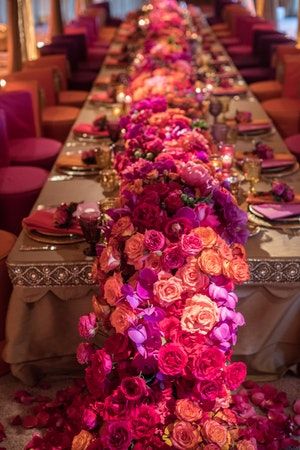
114,62
278,160
278,211
89,129
269,199
43,221
103,80
277,163
101,97
255,125
72,160
231,90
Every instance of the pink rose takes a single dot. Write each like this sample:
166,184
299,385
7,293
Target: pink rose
208,363
191,244
199,315
153,262
167,291
84,352
192,278
235,374
154,240
172,359
172,257
196,174
116,435
133,388
87,326
208,390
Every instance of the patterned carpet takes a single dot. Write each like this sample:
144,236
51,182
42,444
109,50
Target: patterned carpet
17,437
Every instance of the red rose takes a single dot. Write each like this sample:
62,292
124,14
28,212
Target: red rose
147,215
118,346
116,435
144,421
168,325
235,374
154,240
133,388
208,363
101,366
176,227
172,359
208,390
115,405
190,341
173,201
172,258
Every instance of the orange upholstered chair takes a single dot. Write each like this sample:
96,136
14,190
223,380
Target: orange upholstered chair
7,241
60,65
285,110
230,13
56,120
267,90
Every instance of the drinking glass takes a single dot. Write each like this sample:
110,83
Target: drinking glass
90,224
215,108
227,156
113,128
252,171
219,132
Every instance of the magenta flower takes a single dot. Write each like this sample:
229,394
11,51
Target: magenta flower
87,326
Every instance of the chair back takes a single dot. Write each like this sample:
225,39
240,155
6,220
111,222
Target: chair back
45,77
291,78
36,98
78,41
278,58
58,63
65,48
4,148
18,109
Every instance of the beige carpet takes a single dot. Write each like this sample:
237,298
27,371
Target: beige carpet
17,437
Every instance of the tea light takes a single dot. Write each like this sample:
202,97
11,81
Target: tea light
227,155
121,97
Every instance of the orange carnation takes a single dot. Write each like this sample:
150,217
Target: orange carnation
121,318
207,235
210,262
188,410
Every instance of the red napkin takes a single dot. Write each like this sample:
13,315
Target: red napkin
232,90
277,163
101,97
254,126
43,221
90,130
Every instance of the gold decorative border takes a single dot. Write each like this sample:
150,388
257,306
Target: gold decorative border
272,271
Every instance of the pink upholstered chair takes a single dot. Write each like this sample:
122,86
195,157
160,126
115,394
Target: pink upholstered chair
293,144
25,148
19,186
7,241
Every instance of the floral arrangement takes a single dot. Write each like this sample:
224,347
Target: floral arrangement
282,192
263,151
158,344
63,215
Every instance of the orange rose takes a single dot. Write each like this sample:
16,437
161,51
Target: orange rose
153,262
192,277
210,262
188,410
167,291
199,315
239,270
134,249
112,288
185,436
216,433
109,259
82,440
121,318
246,445
123,227
101,310
226,268
223,249
207,235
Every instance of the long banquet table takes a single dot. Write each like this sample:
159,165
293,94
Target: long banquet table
53,288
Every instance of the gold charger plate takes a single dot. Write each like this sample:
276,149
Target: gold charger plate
290,170
51,239
275,226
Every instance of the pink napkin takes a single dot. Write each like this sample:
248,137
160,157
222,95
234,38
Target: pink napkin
253,126
89,129
102,97
234,90
278,211
43,221
274,163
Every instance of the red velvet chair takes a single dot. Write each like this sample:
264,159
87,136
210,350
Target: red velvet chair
25,148
7,241
19,186
293,144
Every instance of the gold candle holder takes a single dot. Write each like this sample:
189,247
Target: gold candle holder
109,180
103,157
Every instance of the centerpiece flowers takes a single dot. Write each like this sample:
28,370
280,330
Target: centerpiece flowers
158,344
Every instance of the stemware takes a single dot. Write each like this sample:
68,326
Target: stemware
215,108
252,171
219,132
90,223
113,128
227,156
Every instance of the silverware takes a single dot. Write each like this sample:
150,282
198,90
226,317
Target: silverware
60,178
29,248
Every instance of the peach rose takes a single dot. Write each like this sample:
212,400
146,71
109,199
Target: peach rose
207,235
185,436
109,259
239,270
168,291
246,445
112,288
101,310
82,440
134,249
216,433
121,318
192,277
153,262
223,249
210,262
188,410
199,315
123,227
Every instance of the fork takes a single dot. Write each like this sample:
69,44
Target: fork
29,248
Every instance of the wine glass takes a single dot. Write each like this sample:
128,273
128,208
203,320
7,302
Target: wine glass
215,108
219,132
90,224
113,128
252,171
